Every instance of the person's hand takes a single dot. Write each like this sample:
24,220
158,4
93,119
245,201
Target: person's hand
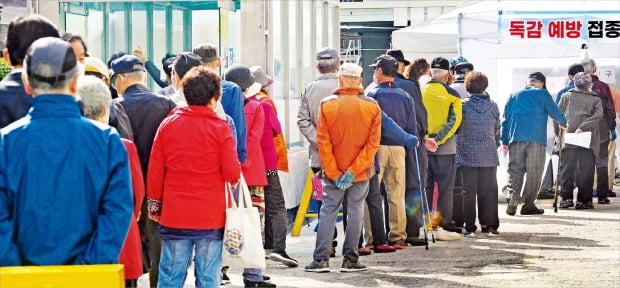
345,180
578,131
154,217
613,135
505,148
139,53
430,144
564,127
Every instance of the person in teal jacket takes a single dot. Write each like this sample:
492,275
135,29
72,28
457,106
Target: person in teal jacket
65,191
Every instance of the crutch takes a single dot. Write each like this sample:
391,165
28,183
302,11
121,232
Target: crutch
557,176
423,201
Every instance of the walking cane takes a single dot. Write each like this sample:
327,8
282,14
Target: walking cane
557,176
423,201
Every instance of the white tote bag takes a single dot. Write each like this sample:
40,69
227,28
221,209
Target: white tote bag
243,243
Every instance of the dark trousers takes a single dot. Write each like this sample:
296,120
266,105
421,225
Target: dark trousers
276,223
413,194
577,166
602,178
441,171
457,200
374,200
151,245
480,186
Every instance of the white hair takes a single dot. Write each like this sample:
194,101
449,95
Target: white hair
437,73
95,96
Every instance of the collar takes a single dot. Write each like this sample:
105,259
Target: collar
327,76
54,106
349,91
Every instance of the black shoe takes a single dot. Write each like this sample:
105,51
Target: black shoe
283,258
566,203
225,279
533,210
584,205
266,278
258,284
611,194
511,209
603,200
415,241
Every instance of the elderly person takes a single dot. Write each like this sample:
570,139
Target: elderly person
476,155
96,99
64,179
584,111
193,157
348,135
524,133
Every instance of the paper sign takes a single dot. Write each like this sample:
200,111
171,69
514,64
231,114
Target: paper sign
607,74
578,139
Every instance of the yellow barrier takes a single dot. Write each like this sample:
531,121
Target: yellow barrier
69,276
302,212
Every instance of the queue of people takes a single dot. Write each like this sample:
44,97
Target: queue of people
138,177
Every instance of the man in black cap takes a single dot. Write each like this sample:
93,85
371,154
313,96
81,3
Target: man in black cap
413,185
444,118
145,110
524,133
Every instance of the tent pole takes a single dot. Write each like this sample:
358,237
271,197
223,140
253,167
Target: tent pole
459,43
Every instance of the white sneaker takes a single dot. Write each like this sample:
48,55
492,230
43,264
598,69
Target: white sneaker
469,234
443,235
428,234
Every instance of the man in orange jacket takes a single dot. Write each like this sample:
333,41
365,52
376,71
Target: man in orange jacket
348,135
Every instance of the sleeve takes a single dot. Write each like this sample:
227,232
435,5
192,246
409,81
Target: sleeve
304,121
155,74
506,122
9,255
591,123
412,126
137,180
120,121
390,130
611,110
365,158
562,104
325,148
455,116
235,110
233,128
498,125
273,119
114,211
155,175
553,110
231,170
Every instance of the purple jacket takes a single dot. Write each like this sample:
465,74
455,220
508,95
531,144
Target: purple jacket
272,128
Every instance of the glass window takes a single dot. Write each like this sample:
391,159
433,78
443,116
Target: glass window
139,27
177,30
117,27
205,27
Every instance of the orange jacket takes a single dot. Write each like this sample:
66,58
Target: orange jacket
348,133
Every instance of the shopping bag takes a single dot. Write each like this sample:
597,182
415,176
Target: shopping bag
242,243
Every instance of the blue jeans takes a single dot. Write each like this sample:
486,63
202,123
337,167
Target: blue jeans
175,260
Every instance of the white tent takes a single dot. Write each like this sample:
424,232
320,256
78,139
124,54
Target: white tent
480,31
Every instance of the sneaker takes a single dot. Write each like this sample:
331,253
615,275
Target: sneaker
283,258
611,194
511,209
384,248
443,235
533,210
318,266
603,200
257,284
469,234
351,267
566,203
364,251
399,244
584,205
429,235
493,232
225,279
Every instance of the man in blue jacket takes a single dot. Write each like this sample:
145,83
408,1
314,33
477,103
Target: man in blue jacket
524,133
65,191
14,101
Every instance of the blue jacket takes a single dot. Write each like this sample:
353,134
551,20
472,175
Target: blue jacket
232,101
415,92
145,110
478,138
14,101
525,116
155,73
65,191
571,85
398,105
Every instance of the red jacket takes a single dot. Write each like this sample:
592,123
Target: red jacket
254,166
131,254
193,155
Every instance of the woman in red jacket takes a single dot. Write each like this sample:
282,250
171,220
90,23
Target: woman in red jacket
193,155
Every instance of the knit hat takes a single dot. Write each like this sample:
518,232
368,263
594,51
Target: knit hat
582,79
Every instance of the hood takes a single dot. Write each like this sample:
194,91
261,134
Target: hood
481,102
